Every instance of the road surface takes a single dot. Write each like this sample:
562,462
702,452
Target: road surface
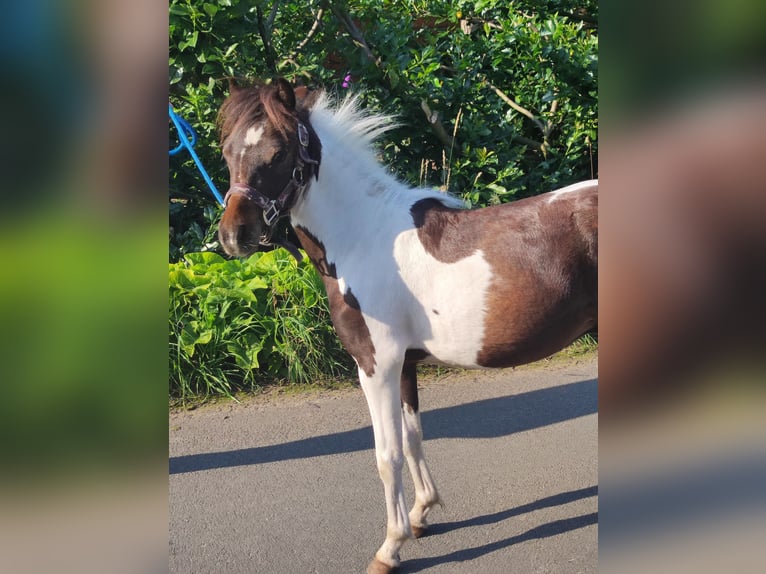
288,485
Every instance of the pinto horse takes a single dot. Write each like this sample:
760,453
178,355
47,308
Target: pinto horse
410,274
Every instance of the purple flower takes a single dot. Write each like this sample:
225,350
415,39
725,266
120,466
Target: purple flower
346,81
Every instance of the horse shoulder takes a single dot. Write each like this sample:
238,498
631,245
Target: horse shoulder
345,309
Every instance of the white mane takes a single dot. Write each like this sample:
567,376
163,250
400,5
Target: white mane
351,120
357,130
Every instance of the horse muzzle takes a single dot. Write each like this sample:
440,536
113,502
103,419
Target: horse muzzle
241,227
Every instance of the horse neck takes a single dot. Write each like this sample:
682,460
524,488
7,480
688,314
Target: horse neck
354,201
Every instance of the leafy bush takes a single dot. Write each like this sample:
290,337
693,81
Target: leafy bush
497,99
241,323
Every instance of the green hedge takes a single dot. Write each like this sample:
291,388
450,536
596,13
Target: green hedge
511,87
238,324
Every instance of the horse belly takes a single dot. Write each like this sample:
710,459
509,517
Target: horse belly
528,319
485,334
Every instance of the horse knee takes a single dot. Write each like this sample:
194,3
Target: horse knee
389,467
413,435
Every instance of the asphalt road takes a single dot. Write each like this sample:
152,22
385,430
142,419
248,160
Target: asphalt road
288,485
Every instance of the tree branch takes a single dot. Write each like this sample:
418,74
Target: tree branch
272,17
312,32
529,142
436,125
265,34
549,123
353,31
515,106
545,128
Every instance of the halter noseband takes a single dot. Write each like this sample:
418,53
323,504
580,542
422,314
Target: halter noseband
275,209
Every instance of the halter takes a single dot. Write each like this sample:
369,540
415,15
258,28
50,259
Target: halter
275,209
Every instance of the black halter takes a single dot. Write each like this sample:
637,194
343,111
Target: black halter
276,209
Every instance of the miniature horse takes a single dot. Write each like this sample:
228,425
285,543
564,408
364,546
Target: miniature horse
410,274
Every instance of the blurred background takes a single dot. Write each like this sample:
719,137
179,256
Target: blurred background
84,237
83,291
682,271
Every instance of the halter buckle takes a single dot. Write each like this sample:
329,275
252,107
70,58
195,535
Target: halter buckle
298,175
303,135
271,213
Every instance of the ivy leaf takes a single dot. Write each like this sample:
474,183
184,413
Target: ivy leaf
210,9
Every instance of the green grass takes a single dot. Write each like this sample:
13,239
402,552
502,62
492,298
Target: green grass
585,345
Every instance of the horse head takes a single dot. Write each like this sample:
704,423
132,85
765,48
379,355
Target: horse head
271,152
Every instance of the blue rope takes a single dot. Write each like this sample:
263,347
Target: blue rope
185,132
186,128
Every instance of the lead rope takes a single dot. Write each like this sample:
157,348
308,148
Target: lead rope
185,131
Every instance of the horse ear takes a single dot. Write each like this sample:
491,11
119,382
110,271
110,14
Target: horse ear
285,93
233,85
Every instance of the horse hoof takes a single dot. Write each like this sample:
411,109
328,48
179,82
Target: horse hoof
378,567
418,531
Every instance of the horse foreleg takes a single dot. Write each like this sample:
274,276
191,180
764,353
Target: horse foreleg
383,399
426,495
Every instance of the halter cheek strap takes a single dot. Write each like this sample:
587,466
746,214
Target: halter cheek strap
272,208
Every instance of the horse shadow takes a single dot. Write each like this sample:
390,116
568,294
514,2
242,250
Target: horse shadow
489,418
553,528
487,519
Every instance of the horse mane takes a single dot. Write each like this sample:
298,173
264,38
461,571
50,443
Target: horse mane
359,129
250,103
360,125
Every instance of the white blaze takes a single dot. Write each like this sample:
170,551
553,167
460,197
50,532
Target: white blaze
253,135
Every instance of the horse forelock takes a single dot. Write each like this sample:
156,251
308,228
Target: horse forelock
249,105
